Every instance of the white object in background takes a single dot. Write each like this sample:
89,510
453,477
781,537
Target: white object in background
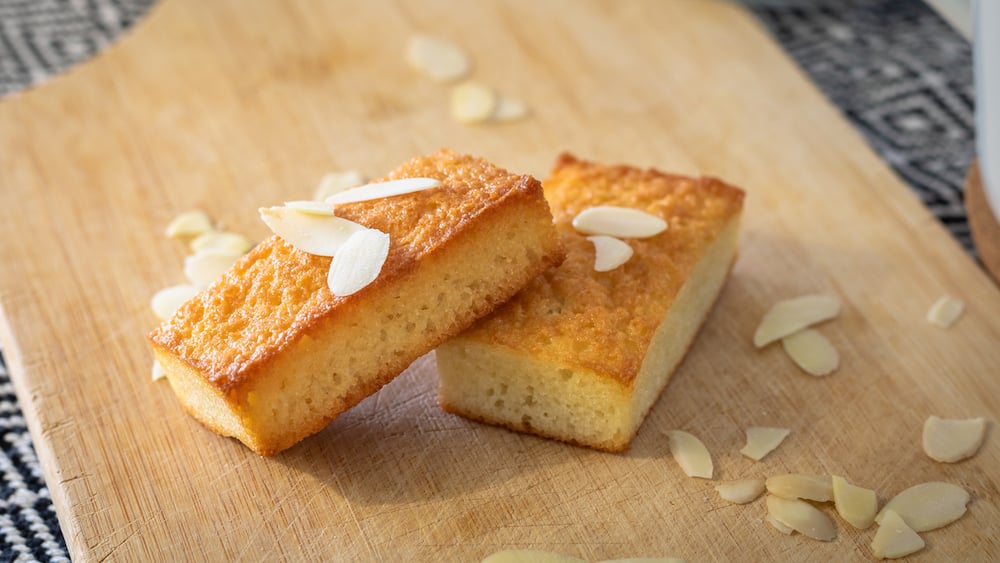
958,13
986,65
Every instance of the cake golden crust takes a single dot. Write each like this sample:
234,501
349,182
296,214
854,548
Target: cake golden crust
605,321
580,355
269,332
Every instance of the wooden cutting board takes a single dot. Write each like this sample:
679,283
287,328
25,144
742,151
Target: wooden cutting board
229,105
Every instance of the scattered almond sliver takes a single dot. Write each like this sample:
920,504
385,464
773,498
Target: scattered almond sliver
189,224
620,222
529,556
928,506
795,486
812,352
762,440
217,241
779,526
158,371
358,262
203,268
381,190
741,492
894,539
792,315
691,454
473,102
802,517
166,301
437,59
945,311
609,252
314,234
336,182
856,505
950,440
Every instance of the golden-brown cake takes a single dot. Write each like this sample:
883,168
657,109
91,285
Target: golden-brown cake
269,356
580,355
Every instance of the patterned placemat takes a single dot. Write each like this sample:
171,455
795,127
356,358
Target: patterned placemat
896,70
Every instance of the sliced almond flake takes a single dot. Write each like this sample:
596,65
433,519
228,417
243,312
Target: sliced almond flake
232,243
158,371
621,222
894,539
166,301
336,182
472,102
203,268
358,262
792,315
609,252
945,311
793,486
189,224
812,352
529,556
381,190
311,207
762,440
928,506
437,59
951,440
510,109
742,491
779,526
691,454
857,505
802,517
315,234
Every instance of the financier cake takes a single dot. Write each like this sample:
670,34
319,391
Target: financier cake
581,355
268,355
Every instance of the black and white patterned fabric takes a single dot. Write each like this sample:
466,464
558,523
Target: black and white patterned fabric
899,73
903,77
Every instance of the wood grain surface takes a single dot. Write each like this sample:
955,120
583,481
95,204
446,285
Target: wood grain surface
230,105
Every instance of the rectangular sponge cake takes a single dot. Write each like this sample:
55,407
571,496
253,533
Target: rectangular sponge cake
269,356
579,355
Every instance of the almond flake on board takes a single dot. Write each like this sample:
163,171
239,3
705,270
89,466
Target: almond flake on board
762,440
894,539
203,268
792,315
620,222
952,440
812,352
691,454
742,491
189,224
778,525
857,505
609,252
221,241
945,311
379,190
509,109
166,301
314,234
336,182
810,487
472,102
928,506
437,59
358,262
802,517
158,371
